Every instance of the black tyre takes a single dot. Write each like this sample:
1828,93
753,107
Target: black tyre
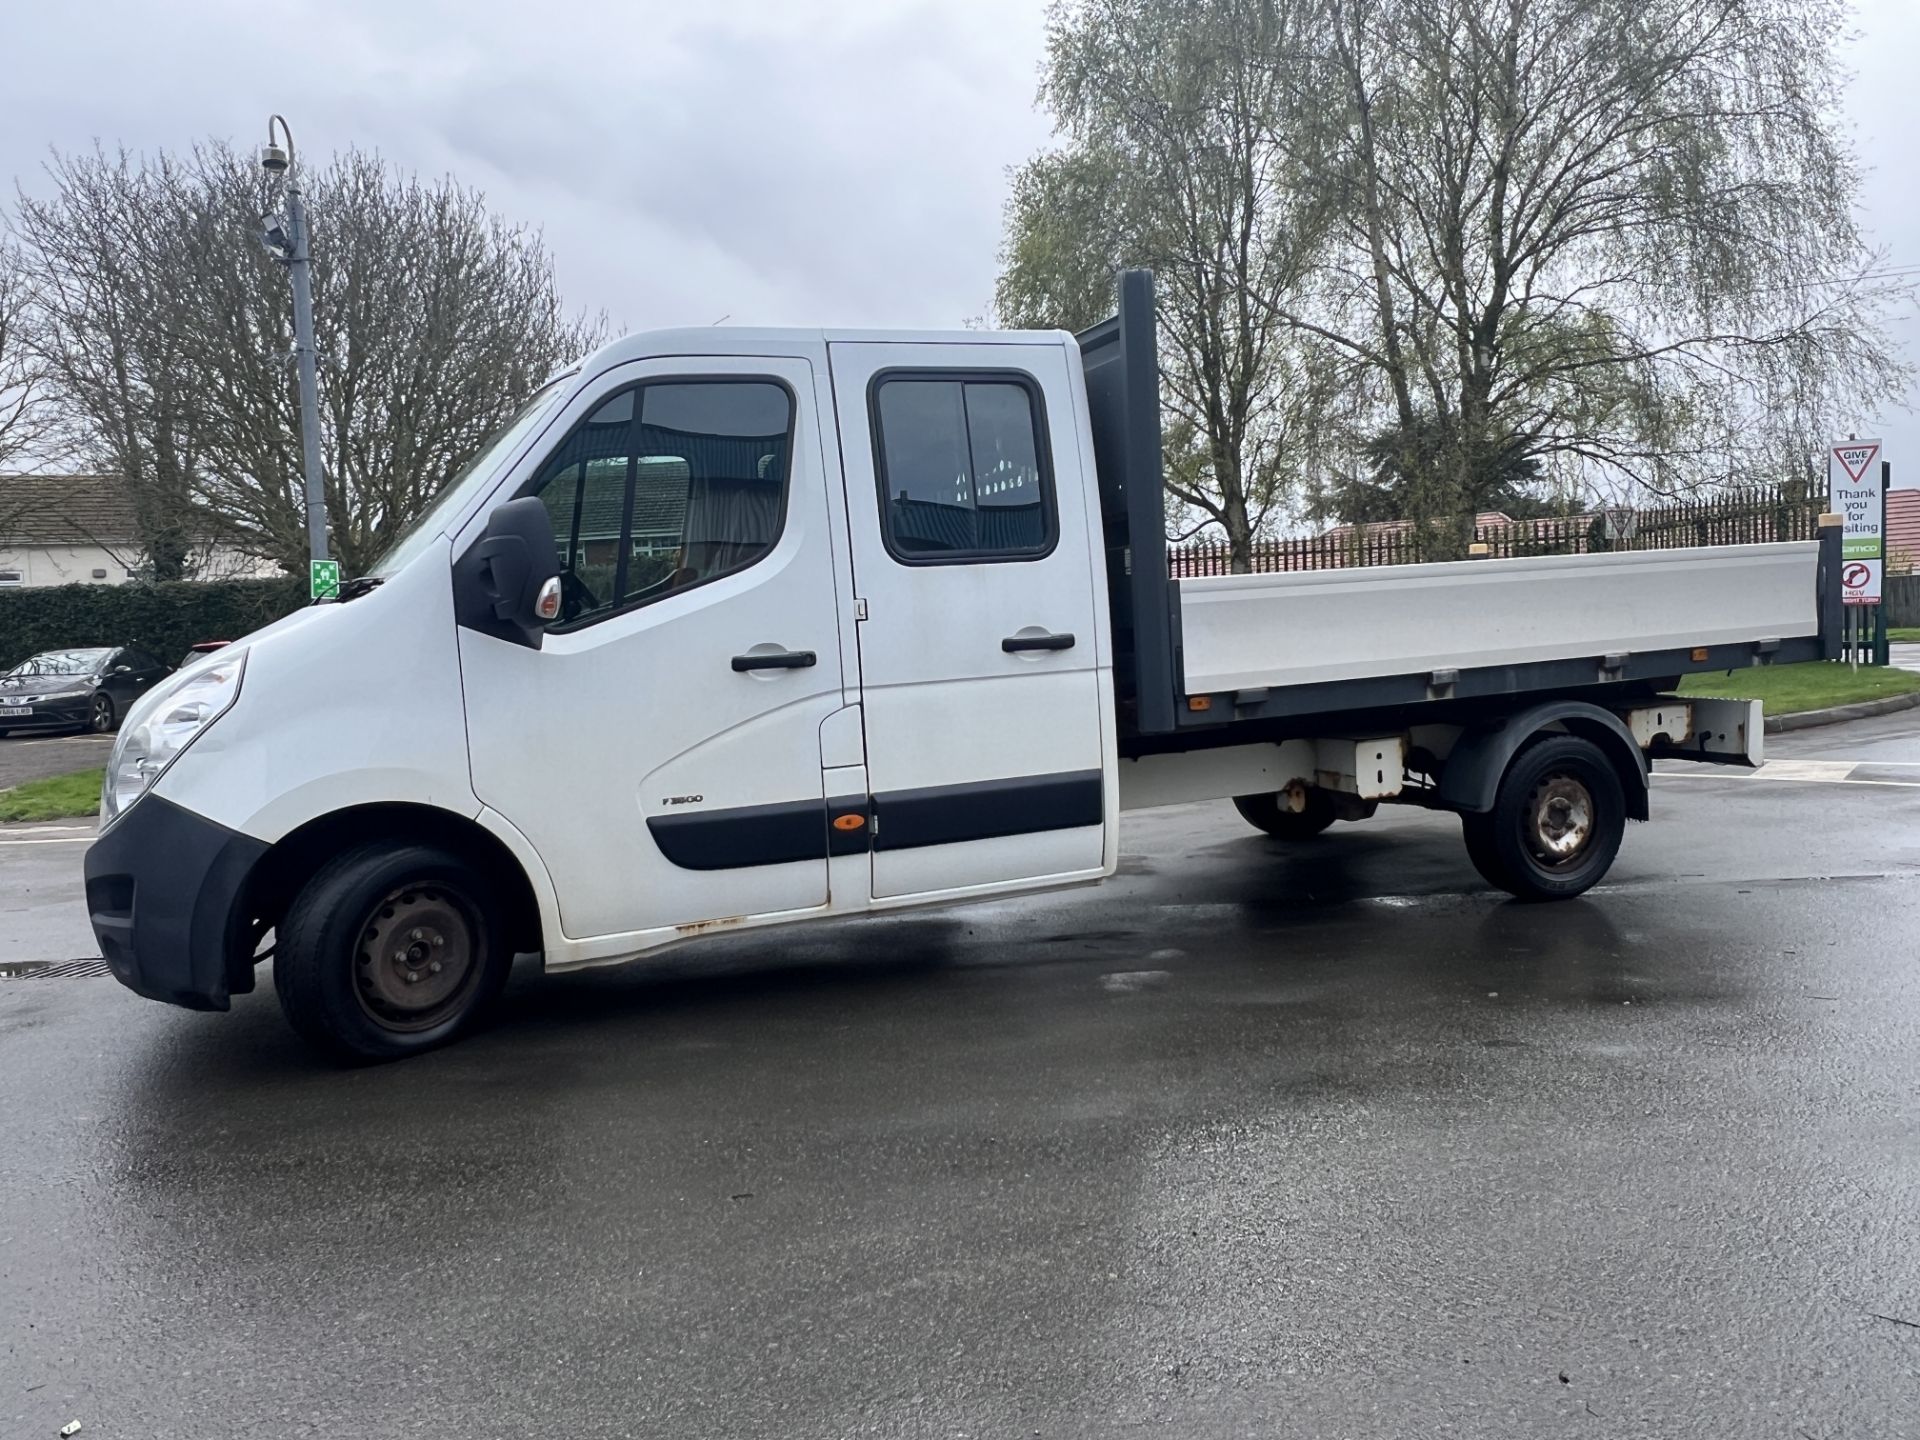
1556,823
389,950
101,717
1265,812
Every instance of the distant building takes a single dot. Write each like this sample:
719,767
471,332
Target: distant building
1903,532
79,529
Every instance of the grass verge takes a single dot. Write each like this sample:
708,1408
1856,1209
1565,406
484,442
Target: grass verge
1904,634
1789,689
63,797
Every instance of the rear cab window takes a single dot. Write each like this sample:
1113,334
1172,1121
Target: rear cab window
962,463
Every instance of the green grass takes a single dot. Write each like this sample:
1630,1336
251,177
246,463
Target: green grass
60,797
1788,689
1905,634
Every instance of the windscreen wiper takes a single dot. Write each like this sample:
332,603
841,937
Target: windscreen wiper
360,585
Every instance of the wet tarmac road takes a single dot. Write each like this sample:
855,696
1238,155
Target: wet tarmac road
1329,1143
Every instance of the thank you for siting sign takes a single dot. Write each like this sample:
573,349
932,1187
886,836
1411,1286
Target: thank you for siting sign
1853,483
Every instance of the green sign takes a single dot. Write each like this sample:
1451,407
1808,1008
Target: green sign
324,580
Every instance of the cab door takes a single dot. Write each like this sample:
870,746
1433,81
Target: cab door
984,679
661,748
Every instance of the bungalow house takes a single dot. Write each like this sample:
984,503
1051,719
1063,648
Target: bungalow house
80,529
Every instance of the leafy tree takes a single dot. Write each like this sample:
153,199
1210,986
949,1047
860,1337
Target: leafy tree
1171,117
1612,237
1545,246
166,329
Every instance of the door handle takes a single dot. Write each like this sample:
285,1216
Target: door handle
775,660
1014,644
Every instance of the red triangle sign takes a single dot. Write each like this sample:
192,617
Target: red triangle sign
1855,458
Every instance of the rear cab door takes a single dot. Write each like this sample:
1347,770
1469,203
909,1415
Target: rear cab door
985,675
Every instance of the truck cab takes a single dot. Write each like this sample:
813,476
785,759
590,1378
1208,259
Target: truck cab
831,636
734,628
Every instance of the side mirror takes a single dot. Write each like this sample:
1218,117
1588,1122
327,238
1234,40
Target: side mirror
507,583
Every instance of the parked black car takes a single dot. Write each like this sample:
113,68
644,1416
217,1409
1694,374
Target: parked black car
76,689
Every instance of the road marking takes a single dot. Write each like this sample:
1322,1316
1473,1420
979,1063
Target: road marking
1752,775
70,840
1806,769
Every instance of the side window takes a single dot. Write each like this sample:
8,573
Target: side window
962,465
139,660
665,486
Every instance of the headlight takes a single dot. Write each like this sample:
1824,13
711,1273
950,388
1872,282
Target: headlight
167,720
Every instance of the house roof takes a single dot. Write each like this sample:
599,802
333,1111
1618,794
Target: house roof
1903,524
65,510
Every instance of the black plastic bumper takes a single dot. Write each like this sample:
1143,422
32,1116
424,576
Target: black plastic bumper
62,714
164,892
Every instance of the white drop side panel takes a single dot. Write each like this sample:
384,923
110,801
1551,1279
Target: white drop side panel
1311,626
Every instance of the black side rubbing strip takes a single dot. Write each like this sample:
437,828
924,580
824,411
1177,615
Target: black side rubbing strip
947,814
742,837
751,835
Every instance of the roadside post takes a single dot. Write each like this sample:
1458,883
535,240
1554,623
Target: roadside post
286,240
1856,487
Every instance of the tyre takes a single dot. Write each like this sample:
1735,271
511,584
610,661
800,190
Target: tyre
1265,812
390,949
1556,823
101,716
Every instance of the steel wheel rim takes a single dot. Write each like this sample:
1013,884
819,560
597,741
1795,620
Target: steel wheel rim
417,958
1560,821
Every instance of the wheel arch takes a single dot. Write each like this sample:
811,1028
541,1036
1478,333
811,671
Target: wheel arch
294,858
1470,777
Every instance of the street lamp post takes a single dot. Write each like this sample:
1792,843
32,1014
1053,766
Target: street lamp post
291,248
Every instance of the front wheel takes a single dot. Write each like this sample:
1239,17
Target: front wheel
1556,823
390,949
100,715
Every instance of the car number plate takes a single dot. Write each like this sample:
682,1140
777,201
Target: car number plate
14,712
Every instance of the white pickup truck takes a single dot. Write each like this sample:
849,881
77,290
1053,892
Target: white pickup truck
735,628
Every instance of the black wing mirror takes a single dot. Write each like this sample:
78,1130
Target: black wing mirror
508,582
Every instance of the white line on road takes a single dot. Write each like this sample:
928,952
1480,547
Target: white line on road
1788,779
69,840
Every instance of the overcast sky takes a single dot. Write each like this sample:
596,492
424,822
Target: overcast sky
776,161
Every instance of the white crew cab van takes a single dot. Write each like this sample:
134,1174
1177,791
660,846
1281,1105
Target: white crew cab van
740,628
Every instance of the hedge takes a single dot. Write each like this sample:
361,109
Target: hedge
167,619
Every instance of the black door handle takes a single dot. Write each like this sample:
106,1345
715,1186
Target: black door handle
1014,644
777,660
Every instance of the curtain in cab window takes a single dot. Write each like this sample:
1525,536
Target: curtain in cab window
665,487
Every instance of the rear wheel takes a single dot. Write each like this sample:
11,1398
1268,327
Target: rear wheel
1265,812
1556,823
389,950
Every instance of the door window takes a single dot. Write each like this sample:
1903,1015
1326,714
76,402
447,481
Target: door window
962,467
663,487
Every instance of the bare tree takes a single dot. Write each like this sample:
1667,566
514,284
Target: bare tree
25,410
1611,240
1172,117
168,329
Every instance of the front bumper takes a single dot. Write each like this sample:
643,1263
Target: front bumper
62,712
165,893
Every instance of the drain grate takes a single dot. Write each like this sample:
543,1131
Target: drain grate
51,970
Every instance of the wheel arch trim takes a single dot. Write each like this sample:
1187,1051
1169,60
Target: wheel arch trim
1470,778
